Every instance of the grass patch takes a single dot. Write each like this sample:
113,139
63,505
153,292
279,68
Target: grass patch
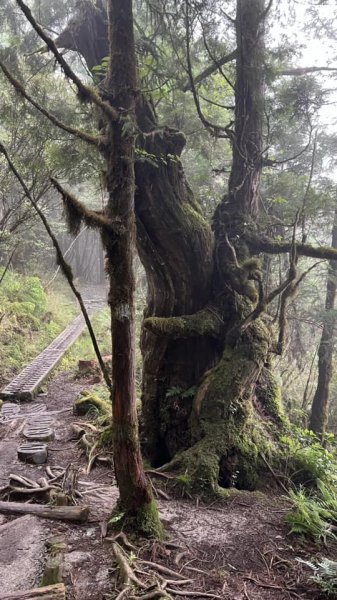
30,319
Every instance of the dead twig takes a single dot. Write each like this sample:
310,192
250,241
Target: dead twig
151,595
159,474
277,479
123,593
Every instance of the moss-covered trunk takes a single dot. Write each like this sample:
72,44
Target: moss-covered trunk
175,244
208,388
237,402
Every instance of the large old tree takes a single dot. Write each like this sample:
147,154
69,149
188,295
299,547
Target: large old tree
211,405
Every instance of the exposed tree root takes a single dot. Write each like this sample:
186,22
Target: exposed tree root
125,571
152,579
122,536
62,493
162,569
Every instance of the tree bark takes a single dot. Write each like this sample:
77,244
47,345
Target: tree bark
136,500
320,406
175,244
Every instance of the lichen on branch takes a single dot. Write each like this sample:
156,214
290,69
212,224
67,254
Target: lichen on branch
203,323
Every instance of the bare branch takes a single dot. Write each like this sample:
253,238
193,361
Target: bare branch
270,246
91,139
267,162
214,129
86,93
64,255
210,70
212,57
307,190
267,9
8,263
297,71
66,269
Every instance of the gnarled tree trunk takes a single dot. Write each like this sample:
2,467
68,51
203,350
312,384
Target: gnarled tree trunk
239,396
207,387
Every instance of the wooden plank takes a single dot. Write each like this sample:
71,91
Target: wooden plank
60,513
50,592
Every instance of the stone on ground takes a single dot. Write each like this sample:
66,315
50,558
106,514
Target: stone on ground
22,544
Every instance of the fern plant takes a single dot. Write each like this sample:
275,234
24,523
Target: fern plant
324,574
309,518
314,516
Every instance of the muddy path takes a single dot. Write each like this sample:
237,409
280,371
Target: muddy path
240,550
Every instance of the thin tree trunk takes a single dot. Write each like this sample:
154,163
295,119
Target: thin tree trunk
135,492
320,406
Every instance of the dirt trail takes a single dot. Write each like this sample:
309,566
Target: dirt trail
239,551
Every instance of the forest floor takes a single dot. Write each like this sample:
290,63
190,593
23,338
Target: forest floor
239,550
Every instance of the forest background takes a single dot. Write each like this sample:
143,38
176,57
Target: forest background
298,188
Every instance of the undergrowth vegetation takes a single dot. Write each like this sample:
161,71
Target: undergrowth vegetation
30,318
315,512
305,458
324,574
310,468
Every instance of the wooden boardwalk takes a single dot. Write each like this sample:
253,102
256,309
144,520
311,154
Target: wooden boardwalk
26,385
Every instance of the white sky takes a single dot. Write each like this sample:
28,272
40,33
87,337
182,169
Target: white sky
316,48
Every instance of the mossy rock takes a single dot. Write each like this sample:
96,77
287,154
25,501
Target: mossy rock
91,403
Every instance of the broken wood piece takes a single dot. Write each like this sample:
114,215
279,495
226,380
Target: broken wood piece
29,491
50,592
61,513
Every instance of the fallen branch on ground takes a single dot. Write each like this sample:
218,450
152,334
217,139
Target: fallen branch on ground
50,592
61,513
